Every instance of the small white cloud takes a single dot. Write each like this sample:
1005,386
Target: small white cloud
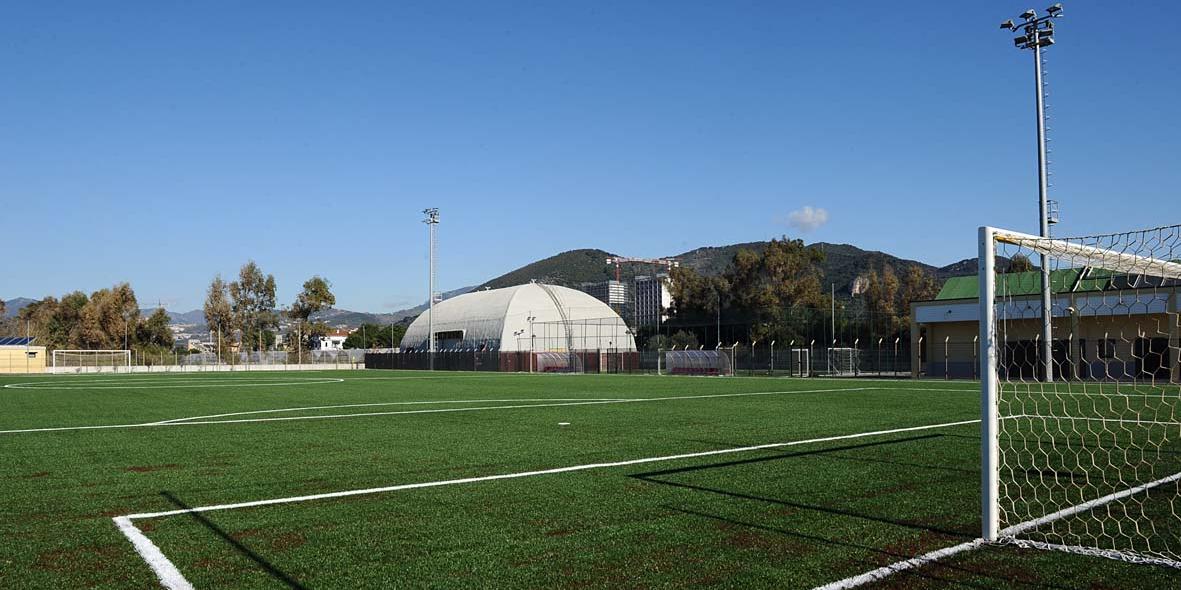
807,218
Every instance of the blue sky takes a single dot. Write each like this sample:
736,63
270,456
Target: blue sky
163,142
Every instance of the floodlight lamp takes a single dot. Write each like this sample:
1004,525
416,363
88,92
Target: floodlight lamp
1009,25
1045,42
1029,14
1055,9
1019,41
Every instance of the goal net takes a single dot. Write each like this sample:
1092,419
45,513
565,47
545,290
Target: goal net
90,361
843,361
801,362
698,362
1081,397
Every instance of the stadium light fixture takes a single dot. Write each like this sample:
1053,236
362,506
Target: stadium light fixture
1037,35
1009,25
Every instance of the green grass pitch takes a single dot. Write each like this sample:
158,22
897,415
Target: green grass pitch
782,517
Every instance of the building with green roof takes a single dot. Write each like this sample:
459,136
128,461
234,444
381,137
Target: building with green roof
1112,326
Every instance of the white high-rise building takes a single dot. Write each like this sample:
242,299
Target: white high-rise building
653,299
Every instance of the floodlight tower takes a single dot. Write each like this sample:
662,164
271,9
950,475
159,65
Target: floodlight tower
432,219
1038,32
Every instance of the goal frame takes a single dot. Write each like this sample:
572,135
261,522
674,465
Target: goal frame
989,238
55,369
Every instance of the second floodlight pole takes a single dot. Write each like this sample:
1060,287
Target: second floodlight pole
432,219
1043,211
1038,33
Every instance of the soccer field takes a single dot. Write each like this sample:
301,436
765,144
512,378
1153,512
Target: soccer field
398,479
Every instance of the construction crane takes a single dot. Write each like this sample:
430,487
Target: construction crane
618,261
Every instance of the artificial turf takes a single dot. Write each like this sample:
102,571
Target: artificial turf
786,517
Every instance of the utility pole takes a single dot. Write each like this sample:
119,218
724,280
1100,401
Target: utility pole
1039,33
432,219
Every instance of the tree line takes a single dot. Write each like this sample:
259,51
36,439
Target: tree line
778,295
105,319
243,311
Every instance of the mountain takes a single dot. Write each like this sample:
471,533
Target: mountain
843,263
344,317
567,269
13,306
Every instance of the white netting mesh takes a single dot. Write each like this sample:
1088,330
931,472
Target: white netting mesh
1090,459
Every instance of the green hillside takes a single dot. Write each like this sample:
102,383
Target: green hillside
843,264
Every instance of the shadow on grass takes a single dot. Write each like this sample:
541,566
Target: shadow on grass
275,572
944,574
652,477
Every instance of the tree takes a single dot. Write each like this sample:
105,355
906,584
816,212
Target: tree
219,315
154,331
682,339
375,336
1020,263
253,304
881,299
917,285
109,318
316,295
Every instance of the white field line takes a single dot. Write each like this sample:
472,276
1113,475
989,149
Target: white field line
586,467
172,579
169,576
431,411
422,403
1008,534
172,385
1017,529
901,566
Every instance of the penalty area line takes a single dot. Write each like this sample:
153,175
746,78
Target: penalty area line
171,578
193,421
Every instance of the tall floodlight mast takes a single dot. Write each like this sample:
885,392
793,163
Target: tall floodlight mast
432,219
1037,33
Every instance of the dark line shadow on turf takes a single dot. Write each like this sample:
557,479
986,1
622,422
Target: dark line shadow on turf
652,475
923,573
243,549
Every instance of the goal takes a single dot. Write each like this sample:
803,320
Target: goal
91,361
801,362
1081,404
843,361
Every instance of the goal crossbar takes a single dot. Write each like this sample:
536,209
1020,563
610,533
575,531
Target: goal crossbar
1112,260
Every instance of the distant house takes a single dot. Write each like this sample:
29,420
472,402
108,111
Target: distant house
333,340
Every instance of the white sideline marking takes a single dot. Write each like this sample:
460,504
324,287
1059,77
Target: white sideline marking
172,579
1017,529
901,566
189,384
458,401
169,576
1010,532
434,411
448,482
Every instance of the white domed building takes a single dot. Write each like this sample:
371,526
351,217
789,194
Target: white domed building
532,317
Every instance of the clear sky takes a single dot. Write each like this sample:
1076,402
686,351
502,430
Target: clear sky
163,142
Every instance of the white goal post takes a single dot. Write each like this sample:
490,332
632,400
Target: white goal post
91,361
1081,451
